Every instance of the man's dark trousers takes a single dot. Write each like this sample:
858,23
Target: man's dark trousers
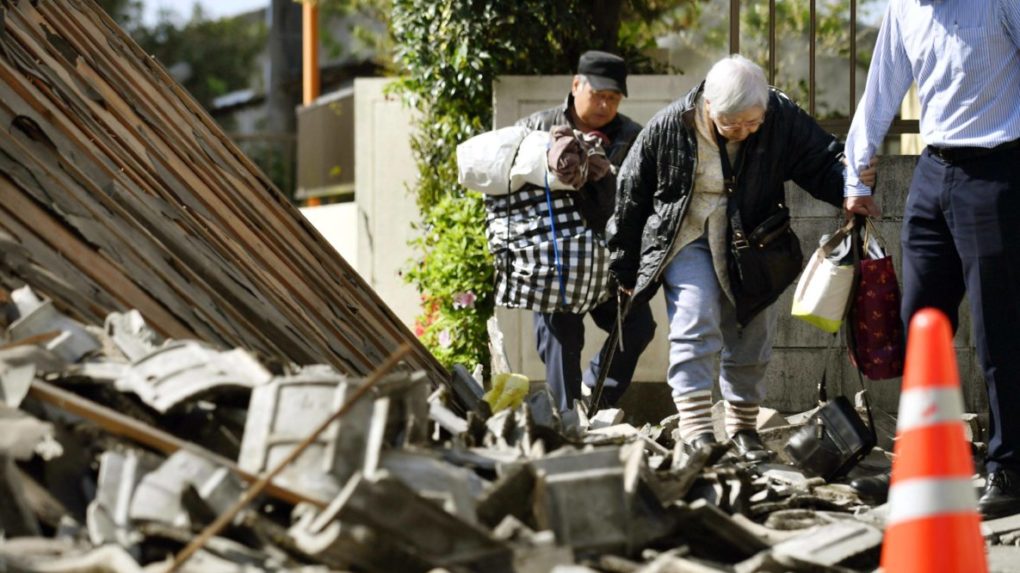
961,233
560,339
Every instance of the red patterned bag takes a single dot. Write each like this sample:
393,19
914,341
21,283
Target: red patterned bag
874,327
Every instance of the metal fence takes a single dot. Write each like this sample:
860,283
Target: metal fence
754,21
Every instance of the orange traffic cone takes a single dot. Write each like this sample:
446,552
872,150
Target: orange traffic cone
933,524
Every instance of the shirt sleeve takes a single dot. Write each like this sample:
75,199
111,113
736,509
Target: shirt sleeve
889,78
1009,11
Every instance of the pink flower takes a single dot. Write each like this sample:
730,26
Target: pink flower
464,300
445,339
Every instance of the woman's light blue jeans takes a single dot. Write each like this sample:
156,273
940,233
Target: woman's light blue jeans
703,328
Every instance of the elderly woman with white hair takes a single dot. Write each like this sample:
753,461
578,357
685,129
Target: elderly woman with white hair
706,174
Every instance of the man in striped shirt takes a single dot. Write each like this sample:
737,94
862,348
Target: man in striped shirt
961,223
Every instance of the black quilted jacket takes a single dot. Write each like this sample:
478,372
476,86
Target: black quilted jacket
657,177
596,199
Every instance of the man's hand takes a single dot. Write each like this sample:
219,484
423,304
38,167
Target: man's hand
867,176
864,205
627,291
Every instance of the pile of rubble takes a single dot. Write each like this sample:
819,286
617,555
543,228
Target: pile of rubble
117,448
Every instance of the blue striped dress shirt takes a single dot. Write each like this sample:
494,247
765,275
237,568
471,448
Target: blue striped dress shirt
964,56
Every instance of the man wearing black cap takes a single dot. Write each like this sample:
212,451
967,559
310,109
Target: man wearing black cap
591,106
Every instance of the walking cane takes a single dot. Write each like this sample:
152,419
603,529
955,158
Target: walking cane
608,352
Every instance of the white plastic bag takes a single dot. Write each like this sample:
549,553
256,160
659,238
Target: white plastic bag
503,160
484,161
532,164
823,291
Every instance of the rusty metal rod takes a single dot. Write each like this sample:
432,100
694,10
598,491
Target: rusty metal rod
734,26
811,59
255,489
128,427
772,43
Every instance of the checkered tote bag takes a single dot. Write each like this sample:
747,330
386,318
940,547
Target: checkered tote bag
524,242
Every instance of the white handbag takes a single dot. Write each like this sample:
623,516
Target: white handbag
823,291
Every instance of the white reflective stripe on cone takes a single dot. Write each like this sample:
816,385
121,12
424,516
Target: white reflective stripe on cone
921,407
917,498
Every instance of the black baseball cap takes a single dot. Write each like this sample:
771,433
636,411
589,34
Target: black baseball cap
604,71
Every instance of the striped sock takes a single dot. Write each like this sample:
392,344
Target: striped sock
695,410
740,416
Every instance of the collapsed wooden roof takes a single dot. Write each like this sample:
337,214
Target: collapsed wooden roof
118,191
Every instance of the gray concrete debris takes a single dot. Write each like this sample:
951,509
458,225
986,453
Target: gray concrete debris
343,545
23,436
569,481
677,562
160,494
37,316
43,359
468,392
714,533
534,552
831,544
783,474
454,489
504,497
610,434
418,529
187,369
285,411
16,516
1005,529
108,517
14,384
447,419
605,418
131,335
45,556
1003,559
420,478
542,413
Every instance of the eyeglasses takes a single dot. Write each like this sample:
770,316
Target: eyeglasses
741,125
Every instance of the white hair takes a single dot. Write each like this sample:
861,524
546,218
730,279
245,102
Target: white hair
735,84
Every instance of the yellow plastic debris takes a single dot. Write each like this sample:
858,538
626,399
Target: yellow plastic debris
508,391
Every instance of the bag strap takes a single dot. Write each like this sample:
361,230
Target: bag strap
555,242
506,251
731,174
838,237
856,245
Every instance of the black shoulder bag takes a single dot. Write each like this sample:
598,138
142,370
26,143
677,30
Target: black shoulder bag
765,261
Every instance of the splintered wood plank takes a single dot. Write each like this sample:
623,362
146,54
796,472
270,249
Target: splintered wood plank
117,190
306,297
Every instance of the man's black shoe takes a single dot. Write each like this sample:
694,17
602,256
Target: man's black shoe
1001,496
872,489
750,447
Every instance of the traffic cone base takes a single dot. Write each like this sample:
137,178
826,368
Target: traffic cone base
909,546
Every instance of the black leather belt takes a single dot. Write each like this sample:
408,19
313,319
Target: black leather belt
958,154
